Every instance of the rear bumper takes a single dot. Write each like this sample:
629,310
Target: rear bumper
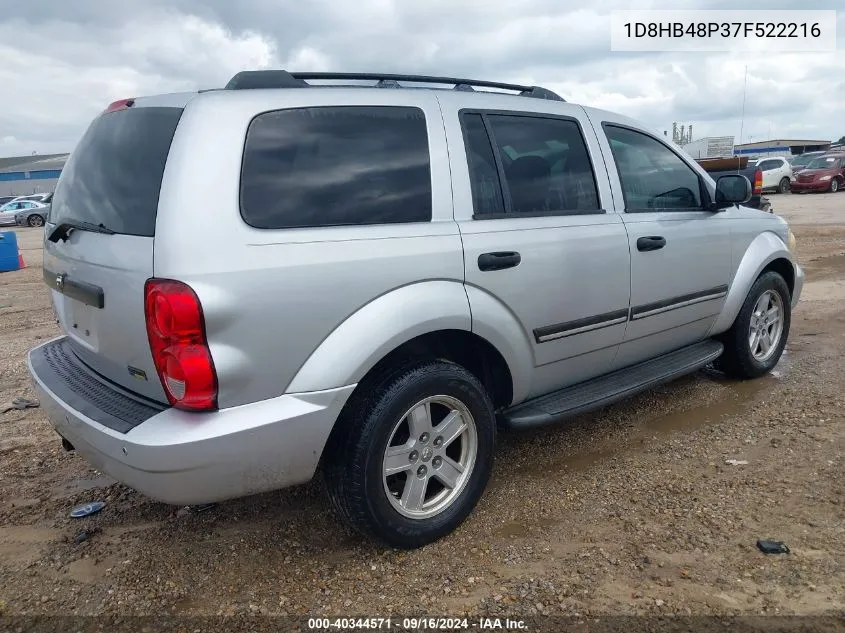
184,458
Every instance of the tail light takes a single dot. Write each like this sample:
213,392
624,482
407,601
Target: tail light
176,331
758,182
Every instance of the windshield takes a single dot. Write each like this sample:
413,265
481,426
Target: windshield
113,177
825,162
803,159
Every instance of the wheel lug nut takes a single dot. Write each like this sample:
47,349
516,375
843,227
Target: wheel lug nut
437,461
424,438
414,456
438,440
421,471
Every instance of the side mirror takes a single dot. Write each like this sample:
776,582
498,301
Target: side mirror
732,189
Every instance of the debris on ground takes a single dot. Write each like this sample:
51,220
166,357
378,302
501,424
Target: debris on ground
20,404
736,462
87,509
772,547
84,536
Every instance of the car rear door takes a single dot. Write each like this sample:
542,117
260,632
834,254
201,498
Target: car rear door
540,236
96,275
680,250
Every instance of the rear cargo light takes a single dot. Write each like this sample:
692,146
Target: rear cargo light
176,331
120,104
758,182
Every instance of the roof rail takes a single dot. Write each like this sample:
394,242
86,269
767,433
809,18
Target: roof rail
250,79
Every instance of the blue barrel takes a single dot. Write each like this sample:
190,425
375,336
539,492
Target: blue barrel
8,251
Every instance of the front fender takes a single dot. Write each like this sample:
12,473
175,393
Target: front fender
764,249
376,329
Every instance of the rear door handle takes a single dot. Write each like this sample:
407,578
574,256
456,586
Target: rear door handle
498,261
651,243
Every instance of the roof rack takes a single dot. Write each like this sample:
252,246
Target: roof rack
256,79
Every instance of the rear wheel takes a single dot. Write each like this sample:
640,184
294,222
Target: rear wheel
412,453
834,185
755,342
35,220
783,187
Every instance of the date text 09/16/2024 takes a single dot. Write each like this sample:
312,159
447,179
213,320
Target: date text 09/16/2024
416,624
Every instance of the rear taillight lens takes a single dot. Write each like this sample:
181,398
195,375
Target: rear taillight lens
176,331
758,182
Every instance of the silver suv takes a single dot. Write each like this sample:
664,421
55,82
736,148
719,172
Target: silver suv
366,275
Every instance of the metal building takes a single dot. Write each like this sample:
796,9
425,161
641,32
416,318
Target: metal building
780,147
22,175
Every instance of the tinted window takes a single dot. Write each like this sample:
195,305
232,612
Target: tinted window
483,174
769,165
113,177
653,176
336,166
546,165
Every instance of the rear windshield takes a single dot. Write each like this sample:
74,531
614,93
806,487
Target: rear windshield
113,177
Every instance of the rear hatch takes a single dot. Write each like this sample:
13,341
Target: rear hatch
98,249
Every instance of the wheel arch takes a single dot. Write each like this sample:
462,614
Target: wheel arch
766,252
429,319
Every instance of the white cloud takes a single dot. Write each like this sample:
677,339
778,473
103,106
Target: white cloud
64,63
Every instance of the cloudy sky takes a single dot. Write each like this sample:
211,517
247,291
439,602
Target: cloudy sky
62,61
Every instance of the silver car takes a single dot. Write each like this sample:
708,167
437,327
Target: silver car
33,213
263,281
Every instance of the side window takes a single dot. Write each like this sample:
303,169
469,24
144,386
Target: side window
336,166
543,165
769,165
653,177
483,173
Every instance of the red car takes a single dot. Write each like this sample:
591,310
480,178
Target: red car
825,173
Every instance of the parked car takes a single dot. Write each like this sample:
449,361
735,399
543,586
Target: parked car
33,216
378,278
30,208
825,173
718,167
801,161
5,199
777,174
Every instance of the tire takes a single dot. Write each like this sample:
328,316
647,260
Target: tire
739,360
354,465
834,185
783,186
35,220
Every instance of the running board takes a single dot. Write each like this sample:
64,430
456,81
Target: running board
607,389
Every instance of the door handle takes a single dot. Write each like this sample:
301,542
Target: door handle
651,243
498,261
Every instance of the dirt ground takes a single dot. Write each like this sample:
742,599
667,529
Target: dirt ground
632,510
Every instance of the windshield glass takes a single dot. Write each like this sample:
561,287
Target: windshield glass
113,177
803,159
825,162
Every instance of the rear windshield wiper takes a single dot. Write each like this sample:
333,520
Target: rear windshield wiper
63,230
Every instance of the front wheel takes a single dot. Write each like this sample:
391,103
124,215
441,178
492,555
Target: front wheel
412,453
755,342
783,187
834,185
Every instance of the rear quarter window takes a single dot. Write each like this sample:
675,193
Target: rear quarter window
336,166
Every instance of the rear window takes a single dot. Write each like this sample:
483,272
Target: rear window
335,166
113,177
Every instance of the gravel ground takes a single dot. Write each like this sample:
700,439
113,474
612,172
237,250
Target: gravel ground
630,511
